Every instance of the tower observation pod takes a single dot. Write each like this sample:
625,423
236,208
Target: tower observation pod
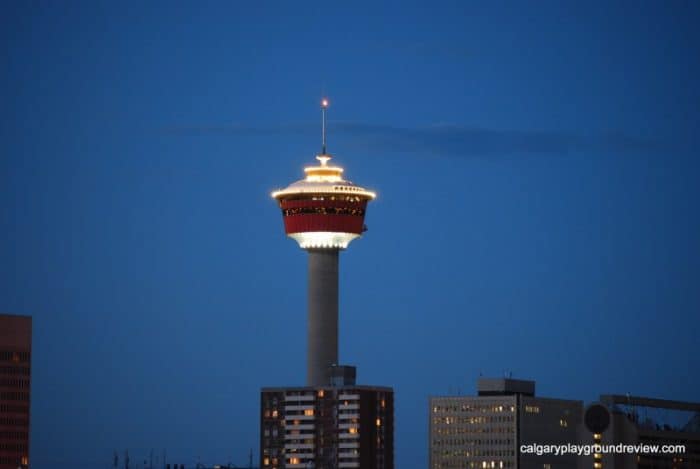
323,213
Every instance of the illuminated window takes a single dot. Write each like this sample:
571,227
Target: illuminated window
294,461
563,423
532,409
274,413
379,422
352,430
266,462
308,412
320,393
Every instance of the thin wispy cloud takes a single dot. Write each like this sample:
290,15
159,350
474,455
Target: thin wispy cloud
239,129
443,139
457,140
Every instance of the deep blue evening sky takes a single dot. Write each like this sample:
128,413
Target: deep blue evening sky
537,170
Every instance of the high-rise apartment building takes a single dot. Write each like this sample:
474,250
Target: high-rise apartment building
487,430
343,426
15,385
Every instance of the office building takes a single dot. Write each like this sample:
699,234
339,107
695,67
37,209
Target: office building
487,430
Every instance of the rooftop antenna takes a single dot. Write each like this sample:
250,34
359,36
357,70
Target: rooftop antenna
324,106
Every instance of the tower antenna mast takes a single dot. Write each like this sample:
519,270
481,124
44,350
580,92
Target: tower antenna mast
324,107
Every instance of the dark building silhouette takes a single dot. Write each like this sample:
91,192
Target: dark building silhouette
15,385
636,420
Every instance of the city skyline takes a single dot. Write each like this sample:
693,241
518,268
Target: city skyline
537,181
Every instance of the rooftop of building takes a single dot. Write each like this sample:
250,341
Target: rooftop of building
504,387
358,387
652,415
638,401
15,330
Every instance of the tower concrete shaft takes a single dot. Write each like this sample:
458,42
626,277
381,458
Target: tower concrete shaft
323,316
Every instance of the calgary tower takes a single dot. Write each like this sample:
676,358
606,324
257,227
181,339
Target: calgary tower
332,422
323,213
